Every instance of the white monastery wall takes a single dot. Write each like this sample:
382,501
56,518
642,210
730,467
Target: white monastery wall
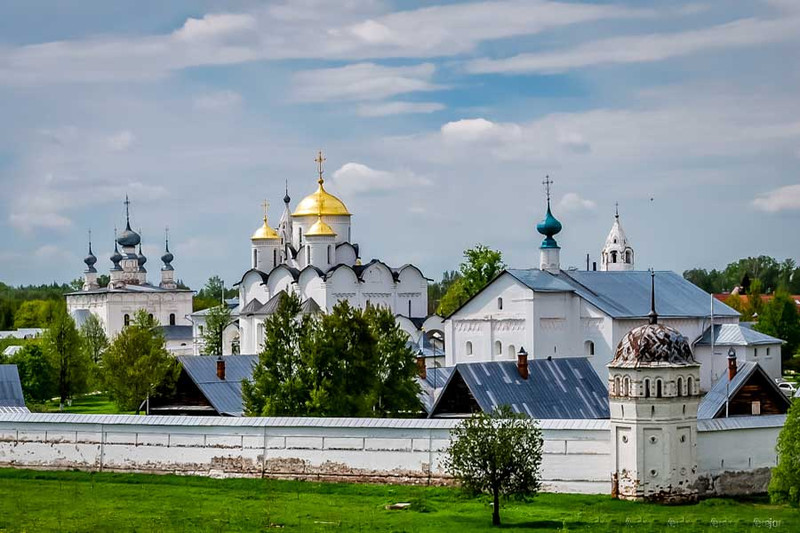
577,455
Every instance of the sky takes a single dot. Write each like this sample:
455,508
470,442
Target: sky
439,122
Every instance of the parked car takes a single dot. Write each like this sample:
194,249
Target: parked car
788,388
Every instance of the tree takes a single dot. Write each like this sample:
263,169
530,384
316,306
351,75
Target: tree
217,319
481,265
137,364
780,319
94,338
36,313
64,349
211,294
278,387
784,486
498,454
437,290
36,374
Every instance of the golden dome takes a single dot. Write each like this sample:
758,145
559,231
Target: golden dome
320,229
264,233
321,202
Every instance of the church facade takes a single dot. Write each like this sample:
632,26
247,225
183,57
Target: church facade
311,254
129,289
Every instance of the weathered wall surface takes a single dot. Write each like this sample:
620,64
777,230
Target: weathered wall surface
577,456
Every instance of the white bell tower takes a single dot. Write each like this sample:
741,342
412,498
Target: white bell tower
617,253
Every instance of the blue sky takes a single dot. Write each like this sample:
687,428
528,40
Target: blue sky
439,122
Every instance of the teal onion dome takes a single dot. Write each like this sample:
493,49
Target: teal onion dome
548,227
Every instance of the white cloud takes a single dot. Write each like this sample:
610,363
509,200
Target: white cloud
572,202
216,26
120,141
398,108
646,48
362,81
30,220
782,199
218,100
356,178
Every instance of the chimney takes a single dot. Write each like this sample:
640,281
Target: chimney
522,363
732,364
587,262
221,368
422,370
594,266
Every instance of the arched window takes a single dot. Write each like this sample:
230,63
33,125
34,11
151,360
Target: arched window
588,347
330,255
500,303
150,316
628,256
300,236
255,258
647,388
498,348
200,327
308,255
680,386
613,257
127,319
172,319
658,388
274,256
512,351
409,308
690,386
616,386
469,347
626,386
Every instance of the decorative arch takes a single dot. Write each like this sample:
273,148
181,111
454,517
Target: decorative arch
679,386
468,347
498,348
588,347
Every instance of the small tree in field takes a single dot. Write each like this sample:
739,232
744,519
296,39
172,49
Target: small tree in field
497,454
784,487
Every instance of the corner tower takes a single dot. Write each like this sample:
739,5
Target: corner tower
654,385
617,253
549,250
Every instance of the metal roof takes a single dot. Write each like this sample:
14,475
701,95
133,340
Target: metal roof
10,387
741,422
224,395
561,388
435,379
627,294
713,402
8,410
176,333
540,280
736,335
127,288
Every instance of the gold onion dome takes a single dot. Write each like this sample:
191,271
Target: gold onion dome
321,202
265,232
320,228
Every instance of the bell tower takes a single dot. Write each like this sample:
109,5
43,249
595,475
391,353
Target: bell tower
617,253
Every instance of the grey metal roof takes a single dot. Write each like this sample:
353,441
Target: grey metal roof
127,288
251,307
310,307
556,388
435,379
224,395
9,410
540,280
627,294
713,402
741,422
10,387
176,333
11,350
736,335
272,304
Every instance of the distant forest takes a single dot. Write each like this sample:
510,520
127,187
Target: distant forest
770,274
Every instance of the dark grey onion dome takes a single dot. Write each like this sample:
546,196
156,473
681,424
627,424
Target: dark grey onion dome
116,257
141,259
286,198
90,260
167,257
129,237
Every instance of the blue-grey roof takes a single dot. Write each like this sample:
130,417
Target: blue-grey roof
428,349
176,333
10,387
713,402
627,294
736,335
225,396
561,388
540,280
435,379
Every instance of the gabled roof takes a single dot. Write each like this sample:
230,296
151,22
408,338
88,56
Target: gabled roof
225,396
252,306
713,403
435,379
271,306
309,306
539,280
736,335
10,387
176,333
559,388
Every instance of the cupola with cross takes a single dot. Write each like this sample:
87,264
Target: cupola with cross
549,250
617,252
265,245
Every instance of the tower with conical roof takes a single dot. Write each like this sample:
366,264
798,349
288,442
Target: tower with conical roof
265,246
617,252
549,250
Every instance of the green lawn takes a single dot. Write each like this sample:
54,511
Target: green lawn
86,404
79,501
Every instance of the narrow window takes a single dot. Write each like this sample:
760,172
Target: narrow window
409,308
647,388
767,351
589,347
172,319
469,347
300,236
755,407
626,386
308,255
500,303
755,352
658,388
255,258
512,351
613,257
690,386
680,386
127,319
274,257
628,257
616,386
200,327
498,348
330,258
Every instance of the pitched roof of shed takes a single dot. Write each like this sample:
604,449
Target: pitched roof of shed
10,387
714,401
225,396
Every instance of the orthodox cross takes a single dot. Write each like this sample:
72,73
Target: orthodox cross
127,209
166,236
547,182
616,209
319,161
265,205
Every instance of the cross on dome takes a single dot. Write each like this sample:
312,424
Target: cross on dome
547,182
320,160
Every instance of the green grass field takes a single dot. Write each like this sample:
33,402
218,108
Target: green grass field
86,404
79,501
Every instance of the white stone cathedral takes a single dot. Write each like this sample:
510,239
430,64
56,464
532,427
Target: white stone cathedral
129,289
311,254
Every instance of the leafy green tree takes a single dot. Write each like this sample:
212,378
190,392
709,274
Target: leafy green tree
35,313
64,349
36,374
498,454
481,265
784,486
211,294
94,338
780,319
437,290
279,386
217,319
396,387
137,364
